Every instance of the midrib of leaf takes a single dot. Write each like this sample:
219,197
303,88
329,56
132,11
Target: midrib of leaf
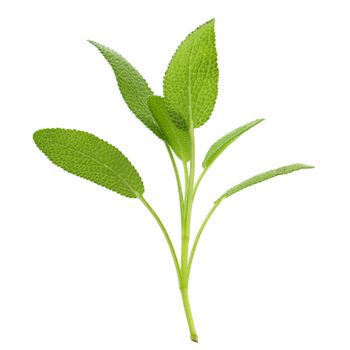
189,90
201,87
101,163
189,184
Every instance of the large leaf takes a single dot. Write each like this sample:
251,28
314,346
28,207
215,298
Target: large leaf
178,139
263,177
220,145
132,85
191,80
91,158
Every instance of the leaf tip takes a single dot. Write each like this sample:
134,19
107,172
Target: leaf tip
93,43
258,121
306,166
209,24
36,136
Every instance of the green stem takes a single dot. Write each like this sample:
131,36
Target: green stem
195,243
185,175
166,235
177,176
199,180
185,221
188,312
185,237
186,227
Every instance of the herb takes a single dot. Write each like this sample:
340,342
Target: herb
190,91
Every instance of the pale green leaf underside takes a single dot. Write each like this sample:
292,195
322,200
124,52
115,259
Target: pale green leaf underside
178,139
91,158
191,80
132,85
220,145
263,177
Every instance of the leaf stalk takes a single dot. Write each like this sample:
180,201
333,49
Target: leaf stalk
185,236
166,235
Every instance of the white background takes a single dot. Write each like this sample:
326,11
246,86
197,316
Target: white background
84,268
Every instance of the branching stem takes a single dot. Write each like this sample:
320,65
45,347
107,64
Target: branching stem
198,236
177,176
185,236
200,177
166,235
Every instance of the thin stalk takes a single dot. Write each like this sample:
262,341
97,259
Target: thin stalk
188,312
199,180
166,235
188,211
195,243
177,176
185,237
185,175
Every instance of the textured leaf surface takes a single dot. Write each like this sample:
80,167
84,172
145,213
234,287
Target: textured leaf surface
191,80
91,158
178,139
132,85
220,145
263,177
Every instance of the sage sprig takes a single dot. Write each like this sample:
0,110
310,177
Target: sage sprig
190,87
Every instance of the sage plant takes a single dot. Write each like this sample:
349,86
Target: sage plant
190,90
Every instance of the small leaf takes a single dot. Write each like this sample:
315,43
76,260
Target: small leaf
220,145
132,85
191,80
91,158
178,139
263,177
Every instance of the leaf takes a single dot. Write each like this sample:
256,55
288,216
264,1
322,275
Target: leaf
263,177
132,85
91,158
191,80
220,145
178,139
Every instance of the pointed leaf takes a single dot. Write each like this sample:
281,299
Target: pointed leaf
178,139
132,85
220,145
263,177
91,158
191,80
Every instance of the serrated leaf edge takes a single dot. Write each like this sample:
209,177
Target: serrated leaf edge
232,191
86,155
154,128
205,164
216,64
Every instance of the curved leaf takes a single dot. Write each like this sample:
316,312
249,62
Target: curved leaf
220,145
178,139
91,158
132,85
191,80
263,177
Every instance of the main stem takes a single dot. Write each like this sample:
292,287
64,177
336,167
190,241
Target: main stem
185,236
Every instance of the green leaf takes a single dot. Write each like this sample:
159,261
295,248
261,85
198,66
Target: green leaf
220,145
191,80
91,158
132,85
263,177
178,139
